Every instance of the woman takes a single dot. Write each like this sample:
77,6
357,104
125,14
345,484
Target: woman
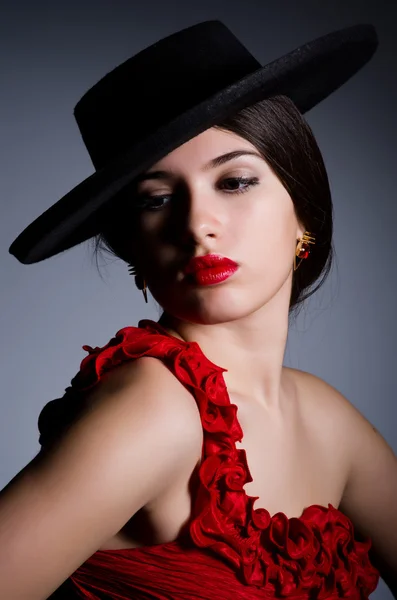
185,461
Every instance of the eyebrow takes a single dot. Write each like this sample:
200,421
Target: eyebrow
212,164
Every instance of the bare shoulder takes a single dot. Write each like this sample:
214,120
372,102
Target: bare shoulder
150,375
341,421
333,420
322,398
138,430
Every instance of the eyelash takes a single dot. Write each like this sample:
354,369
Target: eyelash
143,201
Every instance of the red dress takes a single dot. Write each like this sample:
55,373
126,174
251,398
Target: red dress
228,549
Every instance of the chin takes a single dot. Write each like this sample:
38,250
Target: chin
222,308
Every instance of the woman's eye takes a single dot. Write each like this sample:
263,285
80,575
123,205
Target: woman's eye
232,185
240,184
150,202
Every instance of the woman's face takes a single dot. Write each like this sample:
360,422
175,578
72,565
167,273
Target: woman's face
194,202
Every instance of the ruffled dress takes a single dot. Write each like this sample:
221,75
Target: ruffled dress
229,549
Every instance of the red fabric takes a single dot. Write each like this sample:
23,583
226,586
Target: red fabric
229,549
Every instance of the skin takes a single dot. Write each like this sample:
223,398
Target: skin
241,323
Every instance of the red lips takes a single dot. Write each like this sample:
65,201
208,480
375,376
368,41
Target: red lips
209,261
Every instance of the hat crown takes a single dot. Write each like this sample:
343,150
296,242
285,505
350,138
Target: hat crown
158,84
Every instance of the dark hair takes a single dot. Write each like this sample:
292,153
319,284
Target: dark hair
283,137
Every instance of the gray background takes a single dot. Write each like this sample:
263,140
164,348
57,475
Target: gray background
50,54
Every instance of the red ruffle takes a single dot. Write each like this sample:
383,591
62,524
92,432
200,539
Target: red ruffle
315,555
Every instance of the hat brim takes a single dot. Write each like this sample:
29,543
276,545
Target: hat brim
307,75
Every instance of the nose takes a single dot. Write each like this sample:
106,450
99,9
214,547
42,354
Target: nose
203,220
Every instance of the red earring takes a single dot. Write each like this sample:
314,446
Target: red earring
303,249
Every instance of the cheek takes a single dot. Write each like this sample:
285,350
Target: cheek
269,228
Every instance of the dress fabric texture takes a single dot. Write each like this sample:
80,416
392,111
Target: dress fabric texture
229,549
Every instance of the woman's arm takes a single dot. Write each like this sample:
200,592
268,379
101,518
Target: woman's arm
138,430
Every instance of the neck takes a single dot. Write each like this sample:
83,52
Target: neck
251,348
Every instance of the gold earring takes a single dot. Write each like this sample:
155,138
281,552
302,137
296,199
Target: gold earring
140,282
303,249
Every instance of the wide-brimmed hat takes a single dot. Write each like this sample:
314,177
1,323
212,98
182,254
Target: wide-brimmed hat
167,94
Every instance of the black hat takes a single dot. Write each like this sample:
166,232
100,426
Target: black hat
167,94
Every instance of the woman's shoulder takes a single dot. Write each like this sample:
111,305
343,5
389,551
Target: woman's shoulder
334,416
125,387
319,399
322,397
148,381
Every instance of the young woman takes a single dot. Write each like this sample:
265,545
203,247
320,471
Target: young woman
185,461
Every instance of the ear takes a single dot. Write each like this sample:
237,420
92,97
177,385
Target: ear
300,230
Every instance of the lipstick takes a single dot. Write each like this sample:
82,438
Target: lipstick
210,269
